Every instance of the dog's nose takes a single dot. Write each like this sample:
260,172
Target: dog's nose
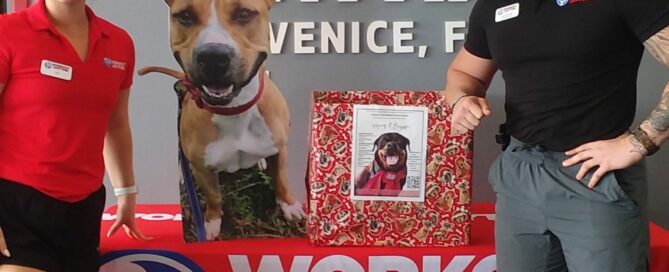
213,59
392,145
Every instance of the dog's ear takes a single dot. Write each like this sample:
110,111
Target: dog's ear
270,3
376,143
169,2
405,141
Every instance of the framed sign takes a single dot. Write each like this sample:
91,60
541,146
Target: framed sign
388,153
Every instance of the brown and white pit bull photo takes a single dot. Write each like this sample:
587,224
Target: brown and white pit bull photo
233,116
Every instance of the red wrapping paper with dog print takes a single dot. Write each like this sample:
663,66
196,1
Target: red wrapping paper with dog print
442,219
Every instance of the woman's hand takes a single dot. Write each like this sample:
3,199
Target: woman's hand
125,216
3,245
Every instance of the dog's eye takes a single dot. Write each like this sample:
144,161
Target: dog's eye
244,15
186,17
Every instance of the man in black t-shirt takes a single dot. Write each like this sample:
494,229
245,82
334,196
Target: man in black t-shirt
571,186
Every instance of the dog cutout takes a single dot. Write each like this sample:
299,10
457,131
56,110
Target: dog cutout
403,225
433,166
328,134
406,242
345,188
422,233
232,115
446,201
328,109
451,147
339,149
465,194
375,98
438,111
319,96
437,134
357,231
343,118
341,239
331,204
359,214
330,179
325,161
445,176
400,208
461,215
433,190
463,169
317,187
339,170
375,225
343,217
388,242
386,175
375,207
316,117
327,226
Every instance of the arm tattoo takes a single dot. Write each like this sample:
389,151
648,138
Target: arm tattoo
637,147
659,118
658,46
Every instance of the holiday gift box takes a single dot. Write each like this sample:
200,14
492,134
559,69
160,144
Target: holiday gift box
385,170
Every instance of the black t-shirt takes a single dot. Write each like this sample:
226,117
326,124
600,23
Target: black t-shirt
569,66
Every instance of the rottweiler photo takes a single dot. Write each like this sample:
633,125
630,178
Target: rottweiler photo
387,173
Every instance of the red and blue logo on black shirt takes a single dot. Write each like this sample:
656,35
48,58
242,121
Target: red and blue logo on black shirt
563,3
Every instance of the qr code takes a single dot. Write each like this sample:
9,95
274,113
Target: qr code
413,183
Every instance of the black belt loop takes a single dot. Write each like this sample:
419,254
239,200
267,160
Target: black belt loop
503,137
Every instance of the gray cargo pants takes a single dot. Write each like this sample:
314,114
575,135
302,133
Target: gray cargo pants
549,221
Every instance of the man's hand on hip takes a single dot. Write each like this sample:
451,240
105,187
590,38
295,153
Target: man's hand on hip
604,156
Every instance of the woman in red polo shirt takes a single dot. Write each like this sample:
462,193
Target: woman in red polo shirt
65,76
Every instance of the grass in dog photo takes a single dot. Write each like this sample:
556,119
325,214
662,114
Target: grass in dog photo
249,209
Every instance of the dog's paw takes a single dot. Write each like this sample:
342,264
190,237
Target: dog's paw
212,228
292,212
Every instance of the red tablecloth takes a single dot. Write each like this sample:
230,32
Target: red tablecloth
167,252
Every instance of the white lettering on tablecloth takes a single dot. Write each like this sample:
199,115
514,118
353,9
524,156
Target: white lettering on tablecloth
147,217
272,263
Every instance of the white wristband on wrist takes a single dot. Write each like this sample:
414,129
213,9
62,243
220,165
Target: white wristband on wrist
125,190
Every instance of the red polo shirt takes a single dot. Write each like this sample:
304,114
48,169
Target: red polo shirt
51,129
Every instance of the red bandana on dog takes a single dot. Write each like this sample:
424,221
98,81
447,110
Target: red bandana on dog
391,182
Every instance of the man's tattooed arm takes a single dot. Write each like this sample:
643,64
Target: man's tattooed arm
637,147
659,118
657,124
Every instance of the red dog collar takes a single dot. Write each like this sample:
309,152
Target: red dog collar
222,110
